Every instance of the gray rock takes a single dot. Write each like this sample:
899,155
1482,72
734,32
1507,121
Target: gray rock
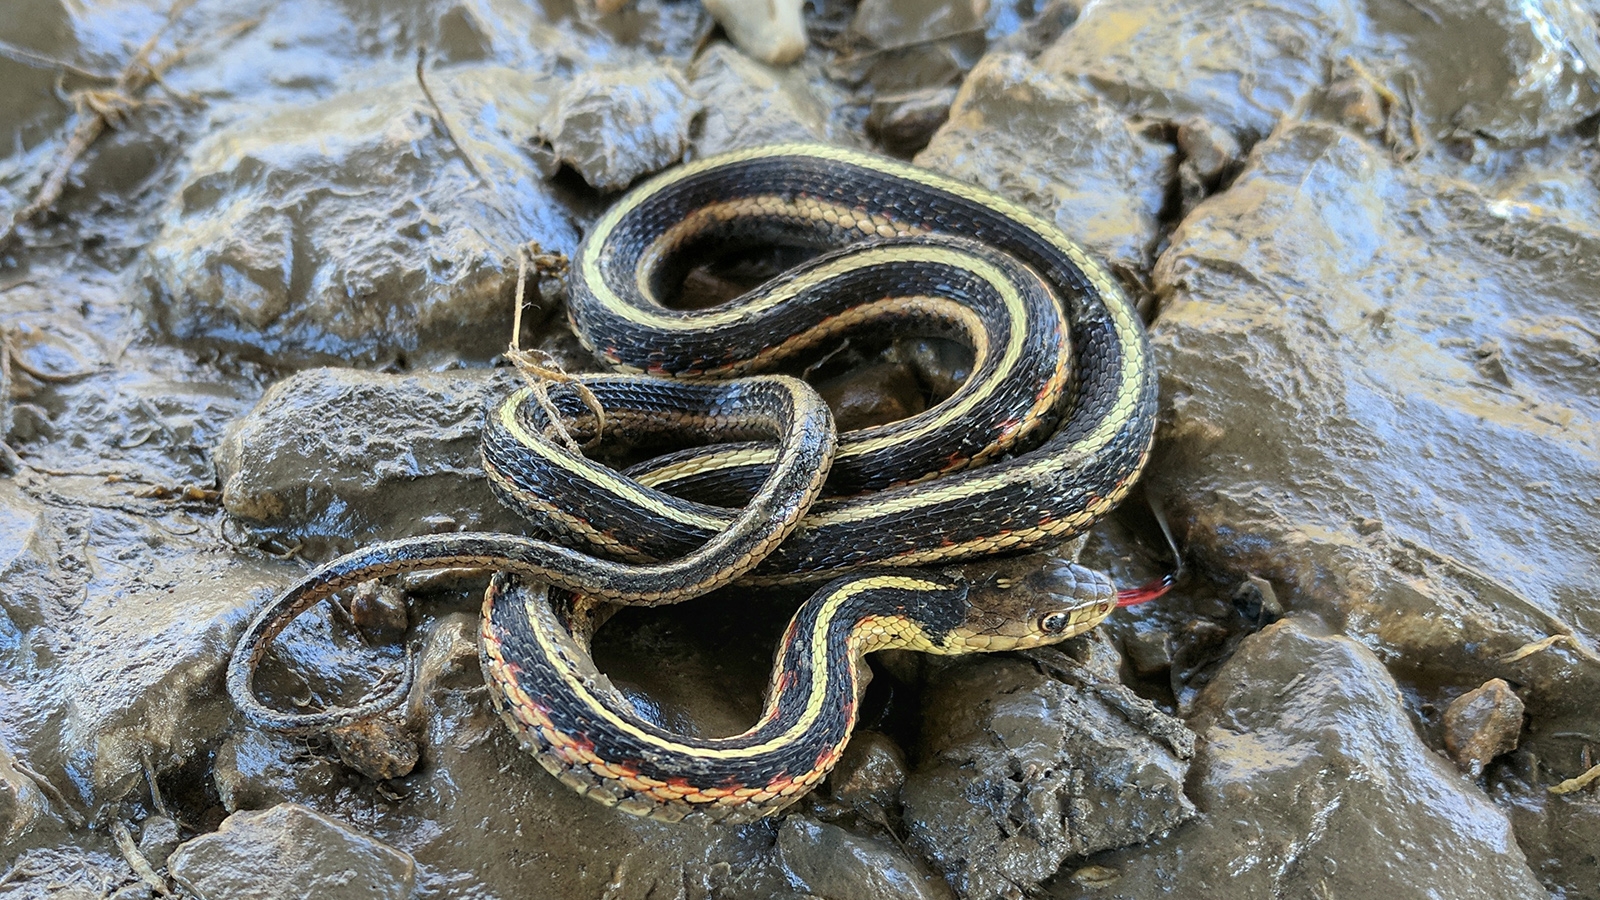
1060,151
1334,423
614,125
356,228
829,861
347,456
1026,772
747,104
1312,781
287,852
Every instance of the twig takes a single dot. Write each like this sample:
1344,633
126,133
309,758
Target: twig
1529,649
444,123
109,107
41,61
542,370
155,789
1577,784
74,818
137,860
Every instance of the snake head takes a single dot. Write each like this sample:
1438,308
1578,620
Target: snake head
1024,604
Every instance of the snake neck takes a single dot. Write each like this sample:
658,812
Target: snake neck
549,689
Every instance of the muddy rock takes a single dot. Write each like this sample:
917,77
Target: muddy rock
349,456
1308,368
1023,772
357,228
869,775
748,103
1559,833
123,622
1060,151
27,110
290,851
1312,780
1510,70
255,769
905,122
70,873
23,805
614,125
906,45
1169,59
895,23
829,861
1482,724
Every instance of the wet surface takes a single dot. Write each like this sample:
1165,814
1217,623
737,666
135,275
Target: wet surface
251,323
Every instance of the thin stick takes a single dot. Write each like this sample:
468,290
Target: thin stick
136,859
107,108
73,817
444,123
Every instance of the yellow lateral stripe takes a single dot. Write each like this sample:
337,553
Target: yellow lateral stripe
819,684
611,481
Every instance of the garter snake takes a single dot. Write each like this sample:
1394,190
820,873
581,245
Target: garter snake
1060,362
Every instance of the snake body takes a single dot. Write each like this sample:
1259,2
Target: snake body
1060,364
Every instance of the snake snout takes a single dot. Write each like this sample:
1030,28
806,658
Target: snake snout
1075,585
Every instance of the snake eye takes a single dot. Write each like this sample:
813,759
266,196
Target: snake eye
1055,623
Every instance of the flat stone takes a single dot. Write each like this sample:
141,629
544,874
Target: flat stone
1059,150
345,456
1311,780
291,852
356,228
616,124
829,861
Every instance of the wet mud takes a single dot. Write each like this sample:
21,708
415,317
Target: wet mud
257,270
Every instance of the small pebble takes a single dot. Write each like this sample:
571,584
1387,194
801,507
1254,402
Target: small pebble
158,837
870,774
379,610
773,32
1482,724
1211,149
904,122
377,748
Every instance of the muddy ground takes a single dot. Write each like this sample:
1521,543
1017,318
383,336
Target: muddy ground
257,269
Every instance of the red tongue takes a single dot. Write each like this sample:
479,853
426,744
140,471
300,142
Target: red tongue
1146,592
